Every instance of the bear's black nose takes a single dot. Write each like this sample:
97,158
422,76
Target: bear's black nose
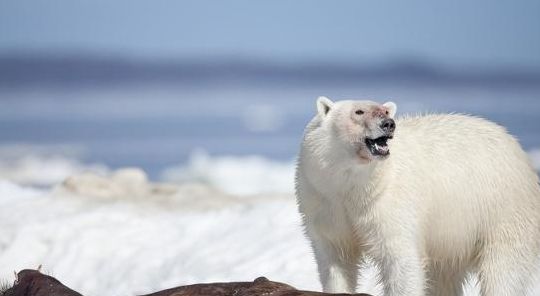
388,125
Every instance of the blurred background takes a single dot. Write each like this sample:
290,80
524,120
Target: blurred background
153,83
218,92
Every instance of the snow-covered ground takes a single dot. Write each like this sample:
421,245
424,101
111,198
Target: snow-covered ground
124,245
224,224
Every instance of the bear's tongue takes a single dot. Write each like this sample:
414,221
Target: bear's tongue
378,146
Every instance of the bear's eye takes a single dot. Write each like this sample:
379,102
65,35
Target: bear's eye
387,112
359,112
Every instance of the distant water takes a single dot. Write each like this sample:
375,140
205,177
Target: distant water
155,125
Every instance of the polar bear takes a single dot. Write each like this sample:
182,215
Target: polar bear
427,198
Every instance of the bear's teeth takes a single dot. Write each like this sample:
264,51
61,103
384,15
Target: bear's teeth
381,149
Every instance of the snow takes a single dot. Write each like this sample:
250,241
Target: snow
127,246
236,175
26,164
225,218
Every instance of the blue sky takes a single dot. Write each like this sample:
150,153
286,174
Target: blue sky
461,33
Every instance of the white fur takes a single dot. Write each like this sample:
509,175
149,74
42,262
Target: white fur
456,195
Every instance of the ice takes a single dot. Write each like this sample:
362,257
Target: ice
234,174
41,165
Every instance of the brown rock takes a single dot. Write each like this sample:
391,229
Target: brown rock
33,283
261,286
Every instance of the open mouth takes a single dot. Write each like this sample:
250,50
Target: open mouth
378,146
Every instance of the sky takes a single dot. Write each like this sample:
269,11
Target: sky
462,32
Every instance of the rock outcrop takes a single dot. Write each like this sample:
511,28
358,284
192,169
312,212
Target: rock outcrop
33,283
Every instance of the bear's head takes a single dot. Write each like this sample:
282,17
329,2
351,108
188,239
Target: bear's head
361,127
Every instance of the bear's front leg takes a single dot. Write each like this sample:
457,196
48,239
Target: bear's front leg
337,262
402,270
338,269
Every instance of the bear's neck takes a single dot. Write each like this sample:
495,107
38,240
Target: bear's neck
341,165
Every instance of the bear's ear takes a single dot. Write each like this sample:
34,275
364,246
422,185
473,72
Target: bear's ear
324,105
391,107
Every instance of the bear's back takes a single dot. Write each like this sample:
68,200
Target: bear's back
463,173
459,152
